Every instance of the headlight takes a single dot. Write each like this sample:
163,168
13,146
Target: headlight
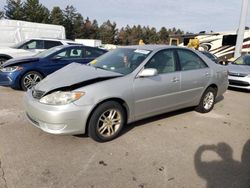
11,69
61,98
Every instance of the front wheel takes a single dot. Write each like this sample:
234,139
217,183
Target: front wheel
207,101
106,122
30,79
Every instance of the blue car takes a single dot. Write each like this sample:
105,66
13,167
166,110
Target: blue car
23,73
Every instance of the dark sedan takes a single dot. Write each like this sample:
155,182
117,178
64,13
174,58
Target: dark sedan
23,73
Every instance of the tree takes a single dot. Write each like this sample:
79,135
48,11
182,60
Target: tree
56,16
90,29
73,22
35,12
14,10
108,32
77,26
163,35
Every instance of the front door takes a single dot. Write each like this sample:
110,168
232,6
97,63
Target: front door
158,93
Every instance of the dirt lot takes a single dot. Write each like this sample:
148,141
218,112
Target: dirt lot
177,150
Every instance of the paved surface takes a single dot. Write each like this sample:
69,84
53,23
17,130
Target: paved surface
176,150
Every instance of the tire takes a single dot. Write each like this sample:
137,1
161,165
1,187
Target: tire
30,79
207,101
2,60
101,127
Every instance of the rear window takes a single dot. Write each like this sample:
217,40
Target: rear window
50,44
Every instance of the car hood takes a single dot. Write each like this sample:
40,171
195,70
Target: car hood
14,52
243,69
18,61
74,76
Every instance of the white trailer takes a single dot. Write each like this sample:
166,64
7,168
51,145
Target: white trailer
15,31
89,42
221,44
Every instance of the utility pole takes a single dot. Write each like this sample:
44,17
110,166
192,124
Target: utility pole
241,30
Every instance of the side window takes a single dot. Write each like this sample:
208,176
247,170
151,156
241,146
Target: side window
33,44
50,44
70,53
92,52
75,53
163,62
190,61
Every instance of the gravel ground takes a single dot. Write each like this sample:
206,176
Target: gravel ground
183,149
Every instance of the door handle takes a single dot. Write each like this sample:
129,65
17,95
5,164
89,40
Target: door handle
174,79
207,74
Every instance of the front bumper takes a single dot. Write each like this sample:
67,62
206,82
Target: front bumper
239,82
5,79
65,119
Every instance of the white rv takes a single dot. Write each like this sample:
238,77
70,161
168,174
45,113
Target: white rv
221,44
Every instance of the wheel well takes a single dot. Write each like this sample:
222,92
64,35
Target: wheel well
20,80
214,87
5,56
118,100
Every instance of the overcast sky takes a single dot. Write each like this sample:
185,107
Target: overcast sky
188,15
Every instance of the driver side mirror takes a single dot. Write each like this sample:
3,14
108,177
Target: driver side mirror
56,58
148,72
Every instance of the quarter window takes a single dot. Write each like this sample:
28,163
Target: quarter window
190,61
163,62
92,52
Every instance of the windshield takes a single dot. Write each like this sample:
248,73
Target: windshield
243,60
121,60
48,52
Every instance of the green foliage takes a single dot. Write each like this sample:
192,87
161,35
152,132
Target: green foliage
78,27
73,22
35,12
108,32
14,10
56,16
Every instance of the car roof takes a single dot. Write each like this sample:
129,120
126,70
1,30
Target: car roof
52,39
152,47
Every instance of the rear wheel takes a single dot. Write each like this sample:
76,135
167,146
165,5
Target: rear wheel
207,101
30,79
106,122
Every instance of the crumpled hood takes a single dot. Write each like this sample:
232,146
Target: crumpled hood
243,69
73,76
18,61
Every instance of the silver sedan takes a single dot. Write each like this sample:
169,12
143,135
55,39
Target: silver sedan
123,86
239,73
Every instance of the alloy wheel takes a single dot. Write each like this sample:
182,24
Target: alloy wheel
109,122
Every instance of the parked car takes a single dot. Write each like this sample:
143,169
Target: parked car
30,47
123,86
23,73
239,72
211,56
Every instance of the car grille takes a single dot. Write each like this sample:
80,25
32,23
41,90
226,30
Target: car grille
37,94
237,74
238,83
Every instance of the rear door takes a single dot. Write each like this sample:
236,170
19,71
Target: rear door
195,75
